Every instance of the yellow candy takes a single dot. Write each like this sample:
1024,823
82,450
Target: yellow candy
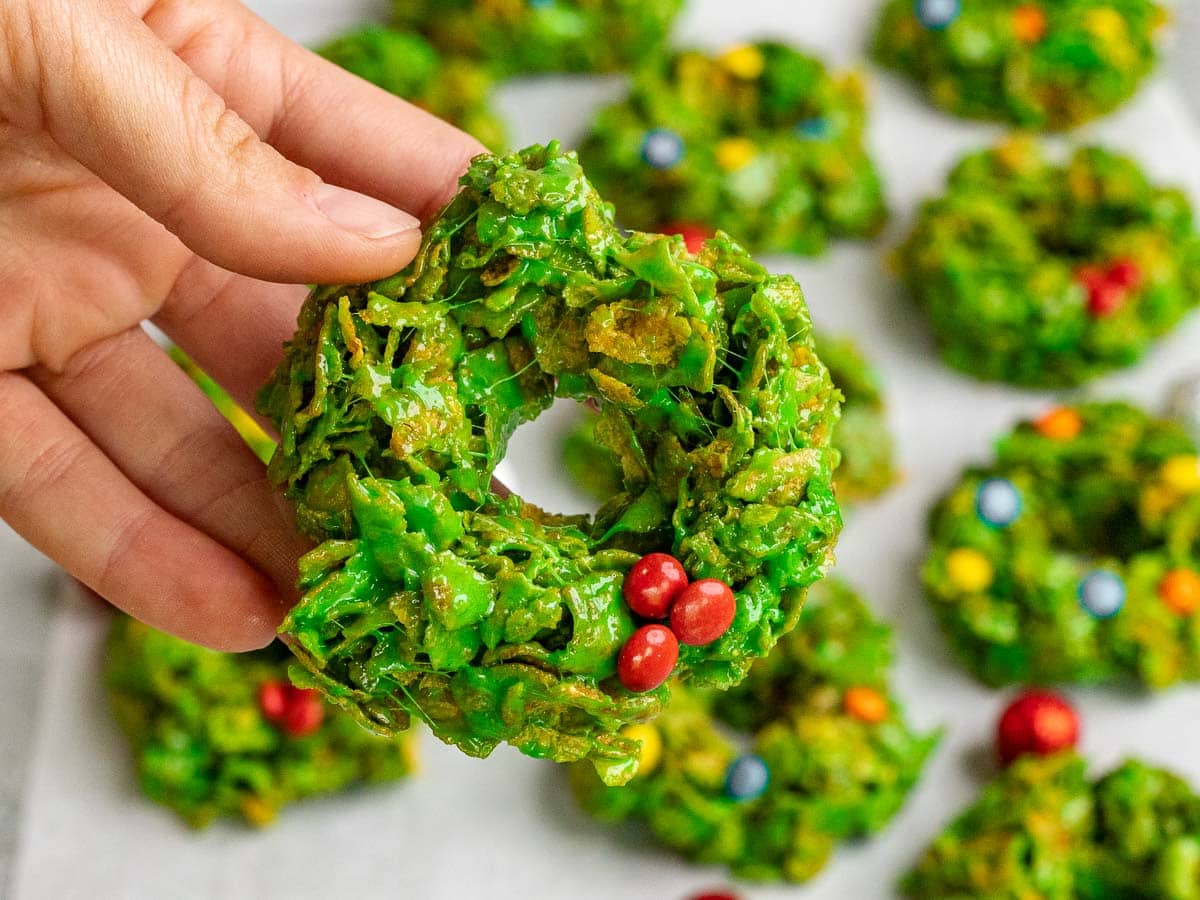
1182,474
652,746
1105,23
735,152
744,61
969,570
256,811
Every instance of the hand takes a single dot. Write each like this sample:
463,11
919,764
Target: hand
149,151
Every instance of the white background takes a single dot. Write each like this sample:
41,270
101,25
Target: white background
507,827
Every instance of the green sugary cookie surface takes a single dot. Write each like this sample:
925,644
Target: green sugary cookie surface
452,88
519,37
862,437
1047,64
435,596
202,745
761,141
833,775
1119,497
998,262
1042,829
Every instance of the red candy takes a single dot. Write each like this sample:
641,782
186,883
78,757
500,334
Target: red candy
1108,289
653,584
305,712
273,699
647,658
1126,273
715,895
693,235
1106,298
703,612
1037,722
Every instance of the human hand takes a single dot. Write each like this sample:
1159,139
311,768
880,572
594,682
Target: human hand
150,150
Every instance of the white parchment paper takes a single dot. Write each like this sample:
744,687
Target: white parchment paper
507,827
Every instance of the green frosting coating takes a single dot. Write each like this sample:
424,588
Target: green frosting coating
518,37
861,438
1042,829
1046,64
770,149
452,88
995,263
202,745
833,775
1122,497
436,596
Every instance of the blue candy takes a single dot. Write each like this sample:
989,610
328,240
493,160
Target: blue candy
1102,593
938,14
747,777
662,148
541,4
815,128
998,502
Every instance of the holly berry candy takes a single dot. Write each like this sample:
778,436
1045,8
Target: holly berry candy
1106,298
703,612
653,583
1037,722
647,658
273,699
693,235
1125,273
305,712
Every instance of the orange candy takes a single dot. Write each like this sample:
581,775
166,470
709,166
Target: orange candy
1061,424
866,704
1029,23
1180,591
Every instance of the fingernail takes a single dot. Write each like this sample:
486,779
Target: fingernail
362,214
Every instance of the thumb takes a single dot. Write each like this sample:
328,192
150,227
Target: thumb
114,97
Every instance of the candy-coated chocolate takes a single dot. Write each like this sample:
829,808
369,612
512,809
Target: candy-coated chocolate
1037,722
653,583
969,570
648,658
747,777
866,704
703,612
1180,591
1059,424
998,502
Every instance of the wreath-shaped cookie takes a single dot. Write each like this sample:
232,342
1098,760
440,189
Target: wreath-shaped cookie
1039,64
1073,556
520,37
452,88
436,596
861,438
1042,829
1047,275
760,141
222,734
832,758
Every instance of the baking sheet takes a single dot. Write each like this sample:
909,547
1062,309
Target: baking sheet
507,827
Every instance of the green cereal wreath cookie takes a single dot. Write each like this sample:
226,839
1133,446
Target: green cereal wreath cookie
223,734
761,141
862,438
435,595
1073,556
832,757
1042,829
521,37
1051,64
1046,275
452,88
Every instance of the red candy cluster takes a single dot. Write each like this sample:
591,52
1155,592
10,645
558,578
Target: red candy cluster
1037,722
1108,288
298,711
657,587
693,235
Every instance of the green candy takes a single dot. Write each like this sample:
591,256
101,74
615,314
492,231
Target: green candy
862,437
521,37
436,596
452,88
202,745
1101,500
1042,829
833,776
768,145
997,264
1083,59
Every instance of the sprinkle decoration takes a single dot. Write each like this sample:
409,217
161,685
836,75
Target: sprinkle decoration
1180,591
747,778
662,148
866,704
969,570
1038,723
998,502
1102,593
937,15
1061,424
